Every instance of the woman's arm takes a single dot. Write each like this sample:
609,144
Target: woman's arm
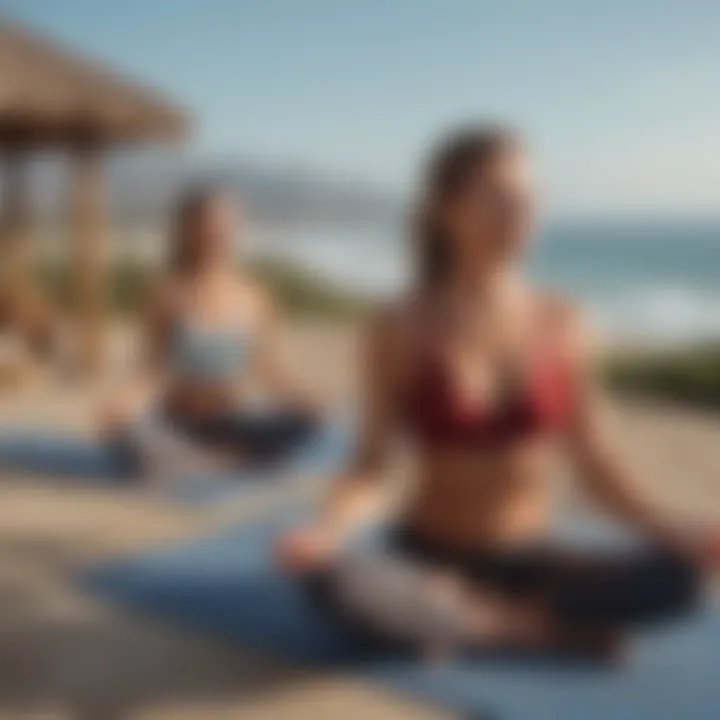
271,369
148,379
599,468
356,494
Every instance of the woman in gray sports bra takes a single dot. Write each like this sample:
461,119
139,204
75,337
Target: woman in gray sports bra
208,340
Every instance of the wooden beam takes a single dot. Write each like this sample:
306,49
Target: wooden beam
88,236
15,277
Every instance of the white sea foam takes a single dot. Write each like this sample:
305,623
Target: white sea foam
670,313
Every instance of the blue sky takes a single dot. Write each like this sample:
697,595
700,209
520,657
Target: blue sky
619,98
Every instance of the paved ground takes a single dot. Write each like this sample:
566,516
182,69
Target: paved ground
64,656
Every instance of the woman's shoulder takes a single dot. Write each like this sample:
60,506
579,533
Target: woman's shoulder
164,297
254,296
568,324
392,319
393,332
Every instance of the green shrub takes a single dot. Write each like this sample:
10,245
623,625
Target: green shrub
298,292
689,376
302,293
128,284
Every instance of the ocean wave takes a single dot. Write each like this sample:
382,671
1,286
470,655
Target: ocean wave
668,313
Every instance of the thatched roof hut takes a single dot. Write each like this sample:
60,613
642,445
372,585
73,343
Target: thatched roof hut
52,98
49,96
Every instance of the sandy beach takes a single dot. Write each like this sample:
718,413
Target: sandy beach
66,656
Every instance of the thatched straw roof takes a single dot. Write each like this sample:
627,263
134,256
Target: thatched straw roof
49,96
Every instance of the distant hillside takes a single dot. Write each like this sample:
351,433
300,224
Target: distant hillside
143,186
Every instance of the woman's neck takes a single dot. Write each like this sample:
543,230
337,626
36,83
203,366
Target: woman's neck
212,273
492,288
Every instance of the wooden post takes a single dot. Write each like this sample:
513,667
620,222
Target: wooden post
88,255
14,240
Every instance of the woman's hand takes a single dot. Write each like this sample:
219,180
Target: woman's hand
702,547
309,407
115,413
712,549
306,549
124,407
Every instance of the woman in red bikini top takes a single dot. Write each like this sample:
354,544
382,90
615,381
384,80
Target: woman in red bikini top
483,375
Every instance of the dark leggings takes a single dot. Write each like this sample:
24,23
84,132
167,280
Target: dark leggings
252,436
600,589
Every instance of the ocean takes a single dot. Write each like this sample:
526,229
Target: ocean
648,281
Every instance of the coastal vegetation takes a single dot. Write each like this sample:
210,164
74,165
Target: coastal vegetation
688,375
299,292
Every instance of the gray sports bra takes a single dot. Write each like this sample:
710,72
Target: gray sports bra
207,354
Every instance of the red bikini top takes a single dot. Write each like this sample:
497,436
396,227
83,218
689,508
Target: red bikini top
434,413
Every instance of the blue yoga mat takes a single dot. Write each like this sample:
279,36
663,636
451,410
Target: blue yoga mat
228,585
71,458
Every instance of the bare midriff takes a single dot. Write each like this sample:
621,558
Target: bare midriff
476,499
202,399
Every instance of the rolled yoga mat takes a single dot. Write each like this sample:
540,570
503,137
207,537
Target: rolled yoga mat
66,458
228,585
